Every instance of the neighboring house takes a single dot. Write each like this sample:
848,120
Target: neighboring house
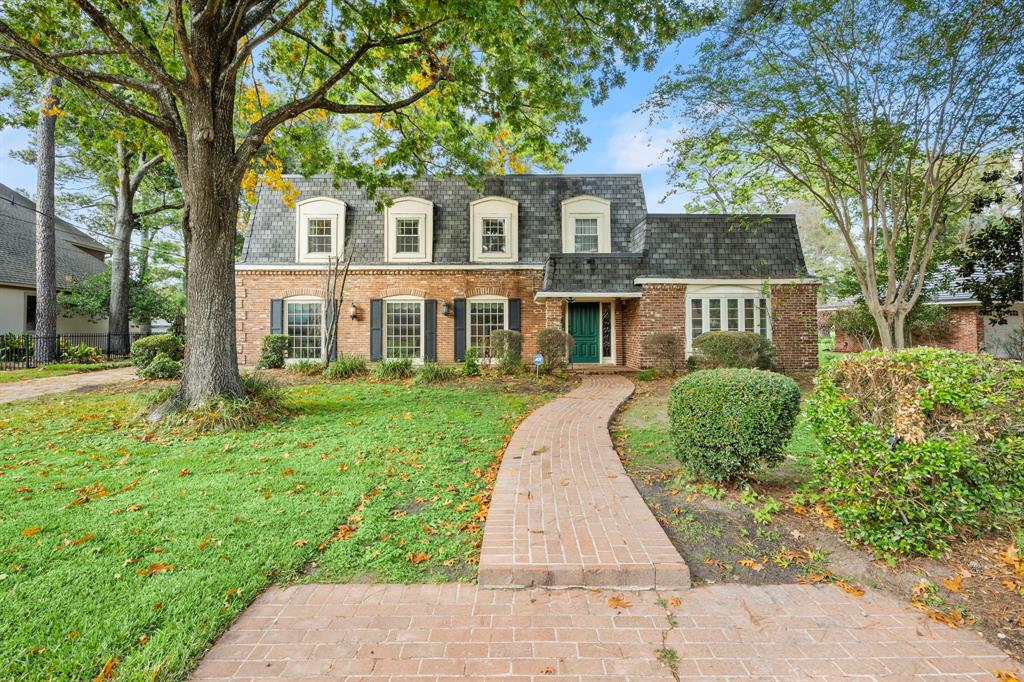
967,329
78,256
445,265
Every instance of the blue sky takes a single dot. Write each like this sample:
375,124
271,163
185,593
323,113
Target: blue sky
620,139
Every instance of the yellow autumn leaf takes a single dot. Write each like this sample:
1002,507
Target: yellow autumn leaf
618,602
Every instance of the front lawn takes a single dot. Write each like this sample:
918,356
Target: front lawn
57,370
136,551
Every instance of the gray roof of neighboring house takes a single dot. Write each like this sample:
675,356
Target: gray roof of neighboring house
18,253
592,272
943,287
271,232
722,246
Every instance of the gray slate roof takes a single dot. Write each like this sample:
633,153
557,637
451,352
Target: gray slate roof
271,233
593,272
722,246
18,250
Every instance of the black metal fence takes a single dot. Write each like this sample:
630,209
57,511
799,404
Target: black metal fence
24,351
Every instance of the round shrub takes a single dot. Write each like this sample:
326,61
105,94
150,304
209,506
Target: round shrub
733,349
145,349
919,446
273,351
163,366
666,350
507,349
556,347
726,423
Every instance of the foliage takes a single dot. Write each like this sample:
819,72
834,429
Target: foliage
991,266
145,349
556,347
82,354
854,106
398,368
727,423
924,322
346,366
507,349
305,367
162,366
666,349
919,446
435,372
646,375
273,351
90,298
15,346
470,365
732,349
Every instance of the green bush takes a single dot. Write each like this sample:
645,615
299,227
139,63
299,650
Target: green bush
399,368
82,354
346,366
726,423
919,446
145,349
507,349
306,367
732,349
556,347
163,366
273,351
470,366
433,373
666,350
646,375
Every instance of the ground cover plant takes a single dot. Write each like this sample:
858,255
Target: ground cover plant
135,549
57,370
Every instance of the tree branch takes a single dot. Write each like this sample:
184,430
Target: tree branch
157,209
251,45
143,169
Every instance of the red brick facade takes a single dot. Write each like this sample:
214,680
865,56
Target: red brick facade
662,307
966,333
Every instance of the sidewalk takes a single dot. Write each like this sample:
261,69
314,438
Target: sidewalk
32,388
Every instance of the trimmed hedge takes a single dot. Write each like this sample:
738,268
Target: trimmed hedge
556,347
163,366
145,349
732,349
920,446
666,349
273,351
726,423
507,349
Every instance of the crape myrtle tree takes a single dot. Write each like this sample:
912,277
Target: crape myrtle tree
430,72
882,113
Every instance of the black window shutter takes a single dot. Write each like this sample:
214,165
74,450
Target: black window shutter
329,316
460,329
514,313
276,316
430,331
376,328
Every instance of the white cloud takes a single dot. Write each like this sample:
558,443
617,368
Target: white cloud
635,146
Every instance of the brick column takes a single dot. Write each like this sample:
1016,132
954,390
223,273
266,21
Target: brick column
661,308
794,326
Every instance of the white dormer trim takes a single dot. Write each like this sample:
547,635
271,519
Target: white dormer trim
494,208
586,207
319,209
409,209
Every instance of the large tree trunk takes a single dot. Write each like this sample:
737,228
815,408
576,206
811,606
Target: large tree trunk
120,268
46,259
884,324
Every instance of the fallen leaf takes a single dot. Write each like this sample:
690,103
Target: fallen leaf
812,578
155,568
618,603
301,542
952,584
417,557
184,472
547,671
344,532
1005,676
850,589
108,669
751,564
717,564
407,415
31,531
143,639
675,601
73,634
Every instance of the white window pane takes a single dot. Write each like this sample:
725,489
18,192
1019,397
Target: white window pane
748,314
586,235
304,330
403,329
484,318
696,318
715,314
493,236
733,307
764,317
407,235
318,235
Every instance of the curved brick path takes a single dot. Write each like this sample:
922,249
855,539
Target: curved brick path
564,512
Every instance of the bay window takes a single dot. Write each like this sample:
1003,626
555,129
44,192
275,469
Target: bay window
732,308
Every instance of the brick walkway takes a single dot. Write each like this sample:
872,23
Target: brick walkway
393,633
564,512
19,390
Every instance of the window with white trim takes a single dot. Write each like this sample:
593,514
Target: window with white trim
407,235
586,235
403,328
586,225
409,230
494,239
319,229
732,308
319,236
486,315
494,227
304,327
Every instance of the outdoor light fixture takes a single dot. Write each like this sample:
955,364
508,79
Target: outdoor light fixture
444,308
353,311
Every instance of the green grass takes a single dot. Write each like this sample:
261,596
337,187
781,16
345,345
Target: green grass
57,370
230,512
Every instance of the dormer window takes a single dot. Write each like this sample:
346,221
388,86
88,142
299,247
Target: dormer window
409,231
494,224
320,230
586,225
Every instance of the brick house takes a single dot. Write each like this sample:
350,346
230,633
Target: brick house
445,264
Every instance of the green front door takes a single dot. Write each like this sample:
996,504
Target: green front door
585,328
